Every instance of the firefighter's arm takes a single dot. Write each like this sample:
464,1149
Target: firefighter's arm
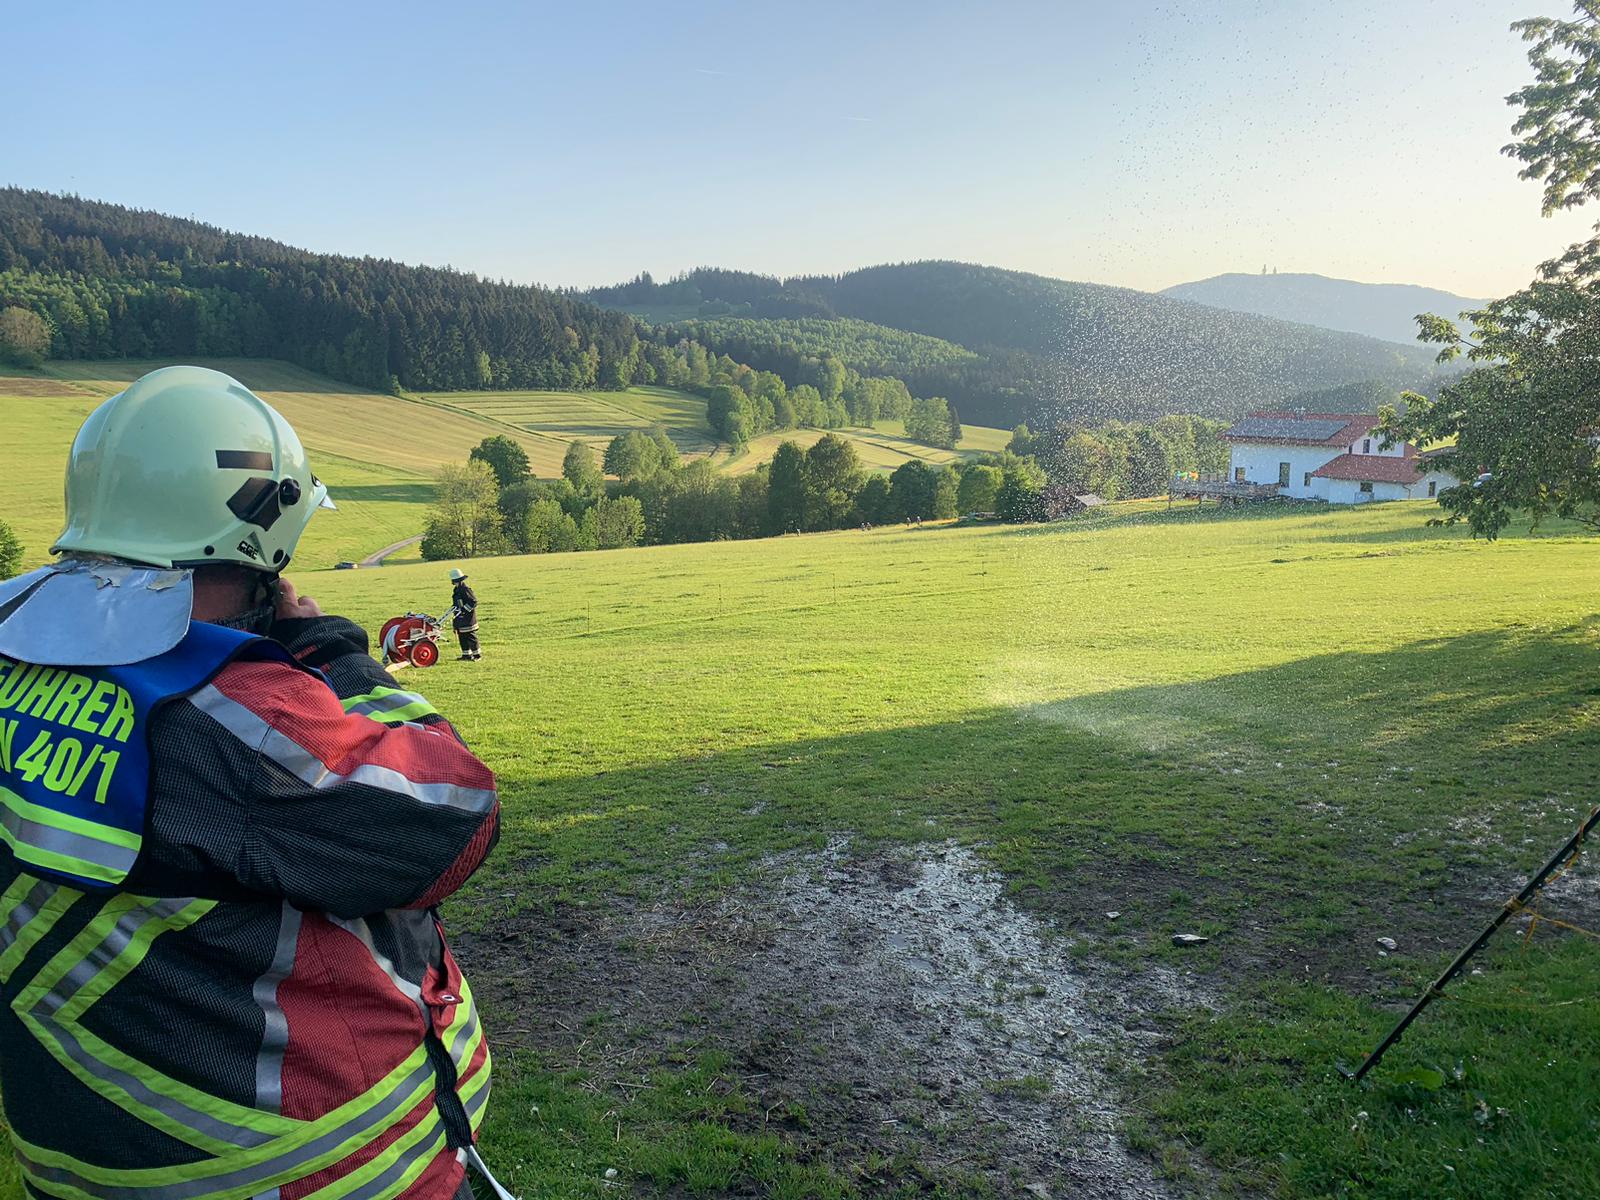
357,805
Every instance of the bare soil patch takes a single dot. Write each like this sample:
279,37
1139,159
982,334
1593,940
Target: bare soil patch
894,1013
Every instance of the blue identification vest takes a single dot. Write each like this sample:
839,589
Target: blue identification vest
75,752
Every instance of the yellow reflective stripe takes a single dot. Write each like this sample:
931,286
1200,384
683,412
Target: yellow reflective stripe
59,820
79,950
231,1158
95,934
389,706
15,895
473,1086
43,837
43,922
51,1188
290,1135
403,1145
401,715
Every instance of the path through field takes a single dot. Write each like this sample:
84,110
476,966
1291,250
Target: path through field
376,558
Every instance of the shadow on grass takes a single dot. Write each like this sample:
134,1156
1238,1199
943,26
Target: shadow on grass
406,493
1295,813
1423,532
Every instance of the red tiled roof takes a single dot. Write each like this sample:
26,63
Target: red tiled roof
1355,425
1371,468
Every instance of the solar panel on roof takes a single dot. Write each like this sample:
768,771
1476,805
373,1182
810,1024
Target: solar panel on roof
1305,429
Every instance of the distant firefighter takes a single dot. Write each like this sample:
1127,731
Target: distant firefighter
464,603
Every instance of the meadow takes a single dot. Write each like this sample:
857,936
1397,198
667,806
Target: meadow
378,453
349,433
561,418
755,794
848,864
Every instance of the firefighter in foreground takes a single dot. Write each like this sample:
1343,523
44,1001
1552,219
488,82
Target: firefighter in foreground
225,834
464,603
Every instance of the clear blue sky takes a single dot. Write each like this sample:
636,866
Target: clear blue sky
579,143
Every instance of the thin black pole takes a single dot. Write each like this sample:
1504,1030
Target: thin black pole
1511,906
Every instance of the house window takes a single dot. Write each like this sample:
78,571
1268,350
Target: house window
1283,474
1306,482
1366,445
1366,487
1238,474
1433,489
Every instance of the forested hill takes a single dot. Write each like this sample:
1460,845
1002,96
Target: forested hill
1380,310
1038,346
118,282
1002,345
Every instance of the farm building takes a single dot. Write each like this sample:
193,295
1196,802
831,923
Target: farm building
1337,457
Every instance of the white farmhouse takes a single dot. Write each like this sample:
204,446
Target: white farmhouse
1328,456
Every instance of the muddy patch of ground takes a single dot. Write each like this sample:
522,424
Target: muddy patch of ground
894,1010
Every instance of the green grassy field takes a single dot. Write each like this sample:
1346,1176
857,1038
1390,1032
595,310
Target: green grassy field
557,419
882,448
596,417
378,453
1293,733
726,767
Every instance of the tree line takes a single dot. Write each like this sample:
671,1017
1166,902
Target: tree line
80,279
998,342
117,282
1118,459
493,505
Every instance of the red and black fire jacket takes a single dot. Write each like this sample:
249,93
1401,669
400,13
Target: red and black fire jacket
266,1005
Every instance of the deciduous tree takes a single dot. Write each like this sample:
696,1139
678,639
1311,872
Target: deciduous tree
832,479
979,487
24,337
786,488
464,520
506,458
579,468
1522,430
913,491
10,552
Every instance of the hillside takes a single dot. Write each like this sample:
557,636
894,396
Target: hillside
1378,310
1036,348
378,452
803,890
116,282
1004,346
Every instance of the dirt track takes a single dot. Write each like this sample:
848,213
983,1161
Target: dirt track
376,559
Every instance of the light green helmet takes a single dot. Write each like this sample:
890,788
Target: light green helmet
185,468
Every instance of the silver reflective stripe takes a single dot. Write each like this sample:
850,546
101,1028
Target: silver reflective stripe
244,1177
25,911
46,1008
387,1181
192,1118
275,1023
51,840
113,944
478,1100
394,700
312,771
358,928
463,1036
